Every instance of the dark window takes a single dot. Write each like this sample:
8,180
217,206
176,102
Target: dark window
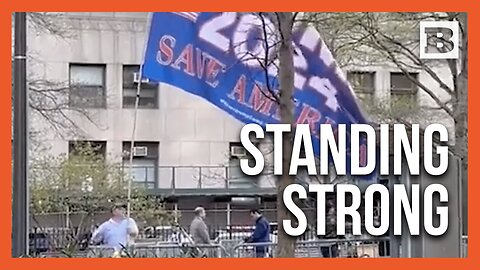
401,84
148,91
363,83
87,86
145,163
402,89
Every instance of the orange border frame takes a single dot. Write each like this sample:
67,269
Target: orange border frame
8,6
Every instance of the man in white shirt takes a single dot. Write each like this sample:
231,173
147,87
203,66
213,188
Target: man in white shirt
118,231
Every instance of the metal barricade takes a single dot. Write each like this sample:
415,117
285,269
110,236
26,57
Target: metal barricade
357,248
326,248
229,245
208,250
100,251
160,250
248,250
315,249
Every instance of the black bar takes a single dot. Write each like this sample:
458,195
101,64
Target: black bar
20,188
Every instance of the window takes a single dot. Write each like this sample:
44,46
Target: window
363,83
98,147
87,86
148,93
402,89
236,178
145,163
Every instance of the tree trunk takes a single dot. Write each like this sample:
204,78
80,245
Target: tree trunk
460,114
286,243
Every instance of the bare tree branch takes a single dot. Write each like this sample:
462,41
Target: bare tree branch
418,83
49,99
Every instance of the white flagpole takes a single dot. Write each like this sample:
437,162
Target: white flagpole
135,114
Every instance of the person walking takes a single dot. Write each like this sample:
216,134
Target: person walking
117,232
198,228
199,232
261,234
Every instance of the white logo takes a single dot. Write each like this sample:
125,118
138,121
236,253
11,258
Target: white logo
441,46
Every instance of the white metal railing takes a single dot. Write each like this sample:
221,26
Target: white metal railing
199,177
328,248
160,250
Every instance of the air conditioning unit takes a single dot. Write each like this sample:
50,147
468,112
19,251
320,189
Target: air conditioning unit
238,151
136,78
140,151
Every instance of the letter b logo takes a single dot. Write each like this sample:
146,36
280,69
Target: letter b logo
439,40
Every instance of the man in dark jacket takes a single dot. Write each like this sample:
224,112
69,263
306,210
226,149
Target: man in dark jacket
261,233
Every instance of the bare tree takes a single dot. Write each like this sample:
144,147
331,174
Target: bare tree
285,21
276,61
84,185
392,39
370,39
48,99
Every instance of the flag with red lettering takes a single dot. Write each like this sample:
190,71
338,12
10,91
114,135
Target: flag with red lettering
229,59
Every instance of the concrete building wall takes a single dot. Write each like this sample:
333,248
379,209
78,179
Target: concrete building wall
189,130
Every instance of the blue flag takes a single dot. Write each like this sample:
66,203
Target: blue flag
229,59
